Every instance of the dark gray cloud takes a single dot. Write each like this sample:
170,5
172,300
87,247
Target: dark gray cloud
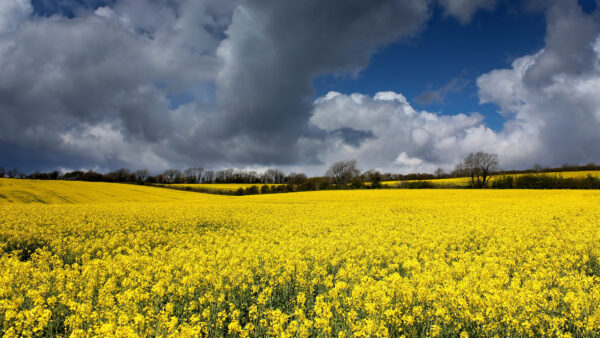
569,44
353,137
106,78
275,49
100,81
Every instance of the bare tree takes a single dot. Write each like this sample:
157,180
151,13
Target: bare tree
272,176
193,175
209,176
173,176
142,175
439,172
479,167
13,173
343,172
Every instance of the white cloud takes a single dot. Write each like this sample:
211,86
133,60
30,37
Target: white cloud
403,139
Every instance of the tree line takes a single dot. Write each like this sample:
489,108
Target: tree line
169,176
479,167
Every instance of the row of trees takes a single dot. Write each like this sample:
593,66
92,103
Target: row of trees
14,173
170,176
479,167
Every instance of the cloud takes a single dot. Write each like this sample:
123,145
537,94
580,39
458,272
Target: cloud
225,83
553,94
463,10
550,100
403,139
439,95
275,49
158,84
12,13
118,66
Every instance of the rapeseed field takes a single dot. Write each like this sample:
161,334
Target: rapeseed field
328,263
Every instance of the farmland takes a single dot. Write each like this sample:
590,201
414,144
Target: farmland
114,260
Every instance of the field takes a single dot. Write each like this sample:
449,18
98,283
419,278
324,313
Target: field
464,181
220,186
141,261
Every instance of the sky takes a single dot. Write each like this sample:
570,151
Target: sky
399,85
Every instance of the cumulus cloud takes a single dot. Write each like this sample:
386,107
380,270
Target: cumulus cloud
553,94
403,139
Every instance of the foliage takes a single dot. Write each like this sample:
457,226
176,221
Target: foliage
416,185
544,181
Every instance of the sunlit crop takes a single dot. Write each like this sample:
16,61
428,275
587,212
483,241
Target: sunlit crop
328,263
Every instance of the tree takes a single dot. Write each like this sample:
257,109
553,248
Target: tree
209,176
439,172
479,167
142,175
297,178
173,176
13,173
343,172
121,175
2,172
273,176
193,175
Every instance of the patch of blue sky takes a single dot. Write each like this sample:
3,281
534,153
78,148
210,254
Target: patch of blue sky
443,52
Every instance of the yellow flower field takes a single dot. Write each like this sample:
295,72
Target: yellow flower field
465,180
328,263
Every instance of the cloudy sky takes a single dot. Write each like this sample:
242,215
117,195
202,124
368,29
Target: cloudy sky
401,86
